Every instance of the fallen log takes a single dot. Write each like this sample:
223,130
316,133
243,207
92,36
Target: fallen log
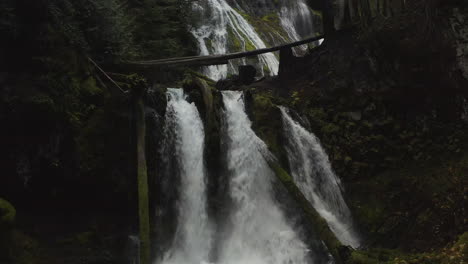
218,59
324,232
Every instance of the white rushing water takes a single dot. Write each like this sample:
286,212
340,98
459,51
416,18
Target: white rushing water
192,241
296,20
312,172
216,19
258,232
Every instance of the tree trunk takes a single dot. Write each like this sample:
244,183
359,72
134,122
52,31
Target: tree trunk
328,17
143,201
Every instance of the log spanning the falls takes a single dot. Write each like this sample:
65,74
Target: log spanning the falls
218,59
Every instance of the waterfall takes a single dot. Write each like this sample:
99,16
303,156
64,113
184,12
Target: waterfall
296,20
217,22
184,130
257,231
314,176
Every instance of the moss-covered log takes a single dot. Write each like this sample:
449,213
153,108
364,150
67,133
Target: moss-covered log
143,201
320,225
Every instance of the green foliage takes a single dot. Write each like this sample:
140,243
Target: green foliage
21,248
8,19
454,253
108,30
162,28
7,213
103,27
361,258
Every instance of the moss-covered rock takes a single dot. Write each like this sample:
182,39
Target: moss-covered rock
7,213
7,218
266,118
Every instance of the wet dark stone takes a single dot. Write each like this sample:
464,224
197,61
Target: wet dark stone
247,74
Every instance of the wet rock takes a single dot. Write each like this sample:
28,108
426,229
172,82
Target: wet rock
286,62
459,23
247,74
228,84
356,116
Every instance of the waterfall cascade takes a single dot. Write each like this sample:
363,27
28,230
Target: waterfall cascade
219,21
314,176
257,232
184,129
256,229
296,20
222,26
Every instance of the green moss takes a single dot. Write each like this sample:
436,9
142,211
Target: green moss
234,43
316,12
209,81
266,121
23,249
90,88
266,70
462,241
239,44
271,18
80,239
282,174
7,212
84,238
455,253
374,256
330,128
358,257
266,26
42,102
249,45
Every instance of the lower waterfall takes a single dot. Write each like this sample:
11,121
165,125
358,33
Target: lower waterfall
192,241
255,229
257,232
314,176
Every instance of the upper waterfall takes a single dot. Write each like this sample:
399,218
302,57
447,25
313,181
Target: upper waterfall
314,176
222,26
220,22
296,20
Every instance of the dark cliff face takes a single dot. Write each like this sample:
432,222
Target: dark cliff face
388,102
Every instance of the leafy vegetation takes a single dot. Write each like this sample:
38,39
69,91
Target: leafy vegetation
67,138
